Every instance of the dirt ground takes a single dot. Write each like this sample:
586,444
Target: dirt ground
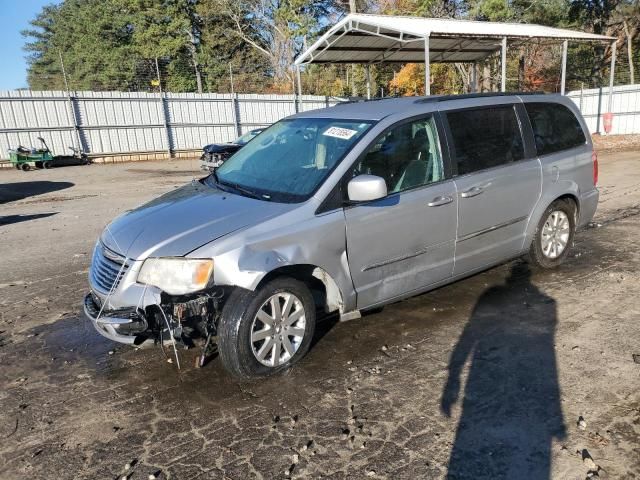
616,143
508,374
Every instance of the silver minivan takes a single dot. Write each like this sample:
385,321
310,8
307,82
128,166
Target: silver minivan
344,210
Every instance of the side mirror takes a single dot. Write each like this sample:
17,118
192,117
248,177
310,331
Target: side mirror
365,188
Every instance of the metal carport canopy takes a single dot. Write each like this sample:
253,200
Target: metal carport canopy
369,39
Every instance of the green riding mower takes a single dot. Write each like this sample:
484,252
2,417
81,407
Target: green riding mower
24,158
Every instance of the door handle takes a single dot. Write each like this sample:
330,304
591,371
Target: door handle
438,201
473,191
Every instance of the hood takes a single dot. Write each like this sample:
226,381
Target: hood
182,220
222,148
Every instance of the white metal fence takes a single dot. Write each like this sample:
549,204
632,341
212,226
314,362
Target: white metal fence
105,123
594,103
123,123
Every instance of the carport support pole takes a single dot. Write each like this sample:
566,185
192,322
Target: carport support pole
565,46
474,77
427,68
613,69
299,90
503,64
368,82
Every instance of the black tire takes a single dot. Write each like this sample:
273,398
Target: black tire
234,330
537,256
47,164
25,167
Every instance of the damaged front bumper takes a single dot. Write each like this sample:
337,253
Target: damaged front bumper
181,319
121,325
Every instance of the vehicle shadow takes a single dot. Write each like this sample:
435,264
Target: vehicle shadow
11,192
511,407
11,219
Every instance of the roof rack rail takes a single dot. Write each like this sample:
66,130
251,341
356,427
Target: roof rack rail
364,100
442,98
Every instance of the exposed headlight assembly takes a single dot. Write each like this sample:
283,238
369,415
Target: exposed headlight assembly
176,276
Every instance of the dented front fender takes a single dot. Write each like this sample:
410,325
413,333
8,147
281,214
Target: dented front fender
296,238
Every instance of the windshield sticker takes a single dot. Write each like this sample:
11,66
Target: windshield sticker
337,132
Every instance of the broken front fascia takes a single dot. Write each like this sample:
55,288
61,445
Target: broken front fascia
179,319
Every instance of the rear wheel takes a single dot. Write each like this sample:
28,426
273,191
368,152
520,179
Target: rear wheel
554,235
25,167
47,164
266,331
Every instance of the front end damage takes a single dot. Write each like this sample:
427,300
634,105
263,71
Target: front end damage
183,321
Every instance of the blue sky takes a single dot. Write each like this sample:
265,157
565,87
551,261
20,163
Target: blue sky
15,16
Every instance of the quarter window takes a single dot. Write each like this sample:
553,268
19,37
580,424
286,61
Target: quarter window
485,138
555,127
406,156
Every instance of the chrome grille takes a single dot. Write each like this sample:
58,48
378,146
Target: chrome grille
107,269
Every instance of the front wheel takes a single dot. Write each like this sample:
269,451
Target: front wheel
554,235
266,331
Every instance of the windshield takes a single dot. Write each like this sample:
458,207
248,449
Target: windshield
247,136
290,159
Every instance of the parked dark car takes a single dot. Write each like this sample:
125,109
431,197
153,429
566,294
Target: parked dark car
215,154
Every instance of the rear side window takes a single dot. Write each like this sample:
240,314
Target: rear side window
555,127
485,138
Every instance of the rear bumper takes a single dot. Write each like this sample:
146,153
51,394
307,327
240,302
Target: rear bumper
118,325
588,206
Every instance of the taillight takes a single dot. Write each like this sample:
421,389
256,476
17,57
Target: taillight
594,159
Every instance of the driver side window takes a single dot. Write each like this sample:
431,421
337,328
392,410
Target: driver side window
406,156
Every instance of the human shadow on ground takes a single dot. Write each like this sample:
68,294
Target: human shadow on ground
11,192
511,409
10,219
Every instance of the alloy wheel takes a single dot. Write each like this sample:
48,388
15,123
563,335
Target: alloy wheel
278,329
555,234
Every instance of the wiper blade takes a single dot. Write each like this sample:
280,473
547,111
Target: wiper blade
243,190
250,193
216,180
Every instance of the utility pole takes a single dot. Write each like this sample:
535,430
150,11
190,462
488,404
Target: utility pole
71,107
163,111
64,73
632,79
158,76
